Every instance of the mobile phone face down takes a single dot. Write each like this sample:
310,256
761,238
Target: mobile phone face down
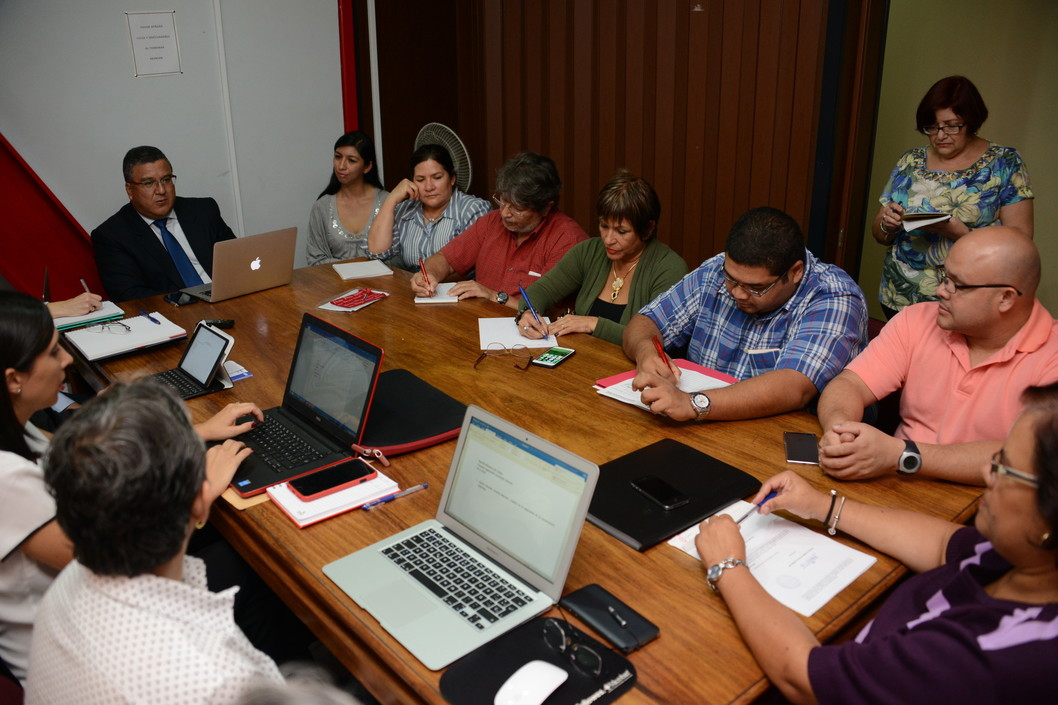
553,357
179,298
659,491
801,448
332,479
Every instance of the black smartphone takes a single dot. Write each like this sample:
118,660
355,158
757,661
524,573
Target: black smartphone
664,494
553,357
332,479
618,623
179,298
801,448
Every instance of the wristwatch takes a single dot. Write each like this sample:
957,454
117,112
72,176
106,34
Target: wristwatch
701,403
714,572
910,459
501,297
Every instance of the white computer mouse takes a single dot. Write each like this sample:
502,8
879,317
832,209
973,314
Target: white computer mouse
531,684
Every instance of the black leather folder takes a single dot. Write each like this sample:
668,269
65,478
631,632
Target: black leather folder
628,515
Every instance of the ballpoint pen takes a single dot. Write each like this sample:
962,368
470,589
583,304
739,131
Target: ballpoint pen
150,318
525,298
86,289
425,276
661,350
755,507
376,503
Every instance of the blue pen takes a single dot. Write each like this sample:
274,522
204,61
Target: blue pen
371,505
150,318
525,298
756,507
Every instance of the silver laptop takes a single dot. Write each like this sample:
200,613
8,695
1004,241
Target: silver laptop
248,264
513,502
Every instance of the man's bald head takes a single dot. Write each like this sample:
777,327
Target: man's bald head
999,255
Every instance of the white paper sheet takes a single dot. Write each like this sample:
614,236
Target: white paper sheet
440,295
690,381
506,332
800,568
362,270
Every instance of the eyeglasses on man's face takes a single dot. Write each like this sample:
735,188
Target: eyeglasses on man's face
998,468
150,184
945,281
748,289
501,204
946,129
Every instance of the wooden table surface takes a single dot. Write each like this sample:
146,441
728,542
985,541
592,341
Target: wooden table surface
699,657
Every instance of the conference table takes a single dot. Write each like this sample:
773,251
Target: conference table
699,656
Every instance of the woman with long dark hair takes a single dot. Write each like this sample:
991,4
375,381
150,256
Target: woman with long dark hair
343,213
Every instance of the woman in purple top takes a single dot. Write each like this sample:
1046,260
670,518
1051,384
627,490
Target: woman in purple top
979,624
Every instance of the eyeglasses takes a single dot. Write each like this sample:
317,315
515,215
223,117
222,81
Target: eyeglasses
944,280
496,349
561,637
752,292
112,327
501,204
999,468
946,129
149,184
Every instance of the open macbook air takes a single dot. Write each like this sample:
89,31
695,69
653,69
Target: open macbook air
248,264
329,390
513,503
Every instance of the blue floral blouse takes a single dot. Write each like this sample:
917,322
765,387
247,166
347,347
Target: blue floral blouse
973,195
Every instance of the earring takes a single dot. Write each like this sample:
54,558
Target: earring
1045,538
200,525
18,391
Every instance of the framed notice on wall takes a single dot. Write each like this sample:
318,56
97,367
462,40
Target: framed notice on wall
155,49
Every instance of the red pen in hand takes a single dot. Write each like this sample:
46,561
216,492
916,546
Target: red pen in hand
425,276
661,350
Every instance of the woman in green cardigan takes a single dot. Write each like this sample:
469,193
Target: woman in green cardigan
613,275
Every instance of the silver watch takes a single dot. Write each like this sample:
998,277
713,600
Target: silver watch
501,297
701,403
715,571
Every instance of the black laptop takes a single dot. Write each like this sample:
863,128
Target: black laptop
328,394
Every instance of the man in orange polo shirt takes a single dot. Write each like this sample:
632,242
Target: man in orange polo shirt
962,362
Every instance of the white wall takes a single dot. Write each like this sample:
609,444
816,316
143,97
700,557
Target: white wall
72,107
1009,50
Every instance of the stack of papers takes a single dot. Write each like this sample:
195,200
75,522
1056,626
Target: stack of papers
109,339
305,513
362,270
913,221
507,333
107,311
801,568
694,378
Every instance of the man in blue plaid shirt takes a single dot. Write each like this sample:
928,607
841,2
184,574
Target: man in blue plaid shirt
764,311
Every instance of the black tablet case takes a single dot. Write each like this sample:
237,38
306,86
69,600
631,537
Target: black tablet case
408,414
626,514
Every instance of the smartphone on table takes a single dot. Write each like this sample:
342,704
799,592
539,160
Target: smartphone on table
553,357
662,493
179,298
332,479
801,448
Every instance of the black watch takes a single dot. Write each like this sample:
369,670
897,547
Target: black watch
501,297
910,459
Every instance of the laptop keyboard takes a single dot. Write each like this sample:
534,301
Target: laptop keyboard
465,584
279,447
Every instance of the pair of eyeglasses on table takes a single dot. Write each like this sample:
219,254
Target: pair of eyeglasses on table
523,357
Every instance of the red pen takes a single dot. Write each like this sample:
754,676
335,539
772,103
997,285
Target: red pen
425,276
661,350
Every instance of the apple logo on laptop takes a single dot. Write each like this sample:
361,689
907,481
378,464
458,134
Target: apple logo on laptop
256,264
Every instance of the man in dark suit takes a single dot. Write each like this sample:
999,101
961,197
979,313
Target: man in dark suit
157,243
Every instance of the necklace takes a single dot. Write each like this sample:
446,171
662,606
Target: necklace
619,281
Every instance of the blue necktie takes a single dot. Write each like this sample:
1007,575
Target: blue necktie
180,258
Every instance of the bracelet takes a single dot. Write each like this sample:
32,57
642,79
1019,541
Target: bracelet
833,528
881,226
833,498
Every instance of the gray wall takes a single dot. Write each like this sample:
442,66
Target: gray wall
260,144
